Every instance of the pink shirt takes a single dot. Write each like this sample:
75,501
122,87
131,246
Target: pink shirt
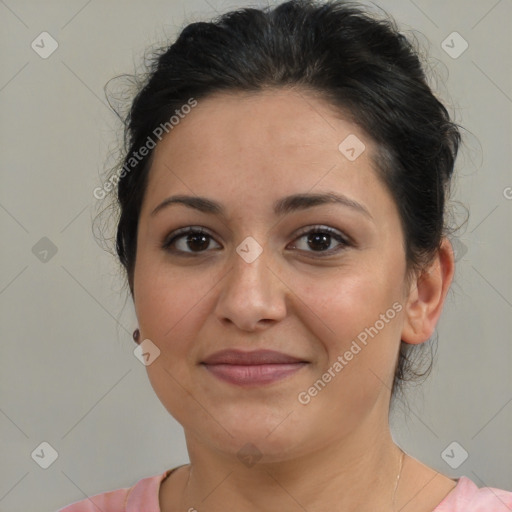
143,497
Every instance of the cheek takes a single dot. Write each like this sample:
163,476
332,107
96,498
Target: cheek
351,301
168,306
172,304
361,348
360,327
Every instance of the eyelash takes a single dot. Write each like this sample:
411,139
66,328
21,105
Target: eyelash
181,233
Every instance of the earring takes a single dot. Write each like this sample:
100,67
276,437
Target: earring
136,335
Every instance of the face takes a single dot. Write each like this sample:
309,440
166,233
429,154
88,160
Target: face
326,289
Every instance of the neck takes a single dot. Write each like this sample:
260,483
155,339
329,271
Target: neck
358,472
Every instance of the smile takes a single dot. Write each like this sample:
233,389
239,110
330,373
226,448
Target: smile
253,374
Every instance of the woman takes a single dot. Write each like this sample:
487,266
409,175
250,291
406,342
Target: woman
283,233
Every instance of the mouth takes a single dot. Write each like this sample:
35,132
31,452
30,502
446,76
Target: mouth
258,367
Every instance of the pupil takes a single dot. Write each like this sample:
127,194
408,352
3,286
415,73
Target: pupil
192,238
322,238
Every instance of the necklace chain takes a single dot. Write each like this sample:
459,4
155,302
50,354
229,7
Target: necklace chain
398,477
402,453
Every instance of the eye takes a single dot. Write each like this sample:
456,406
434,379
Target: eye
319,238
196,239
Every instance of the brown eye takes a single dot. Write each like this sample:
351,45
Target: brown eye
188,241
192,241
320,238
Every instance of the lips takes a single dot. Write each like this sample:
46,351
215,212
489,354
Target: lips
252,368
256,357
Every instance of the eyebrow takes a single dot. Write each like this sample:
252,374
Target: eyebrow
281,207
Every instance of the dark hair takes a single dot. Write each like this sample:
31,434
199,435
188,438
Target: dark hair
361,64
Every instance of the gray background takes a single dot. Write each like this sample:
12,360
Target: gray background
68,373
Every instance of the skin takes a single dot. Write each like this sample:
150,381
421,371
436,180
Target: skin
247,151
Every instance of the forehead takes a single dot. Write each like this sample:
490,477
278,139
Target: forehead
266,145
279,119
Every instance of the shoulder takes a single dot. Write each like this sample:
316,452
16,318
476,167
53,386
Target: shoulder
128,499
112,501
468,497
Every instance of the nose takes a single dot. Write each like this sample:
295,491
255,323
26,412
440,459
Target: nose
252,295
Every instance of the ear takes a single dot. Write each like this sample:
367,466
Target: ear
426,296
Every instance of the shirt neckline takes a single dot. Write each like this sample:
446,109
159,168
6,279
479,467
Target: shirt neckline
146,492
